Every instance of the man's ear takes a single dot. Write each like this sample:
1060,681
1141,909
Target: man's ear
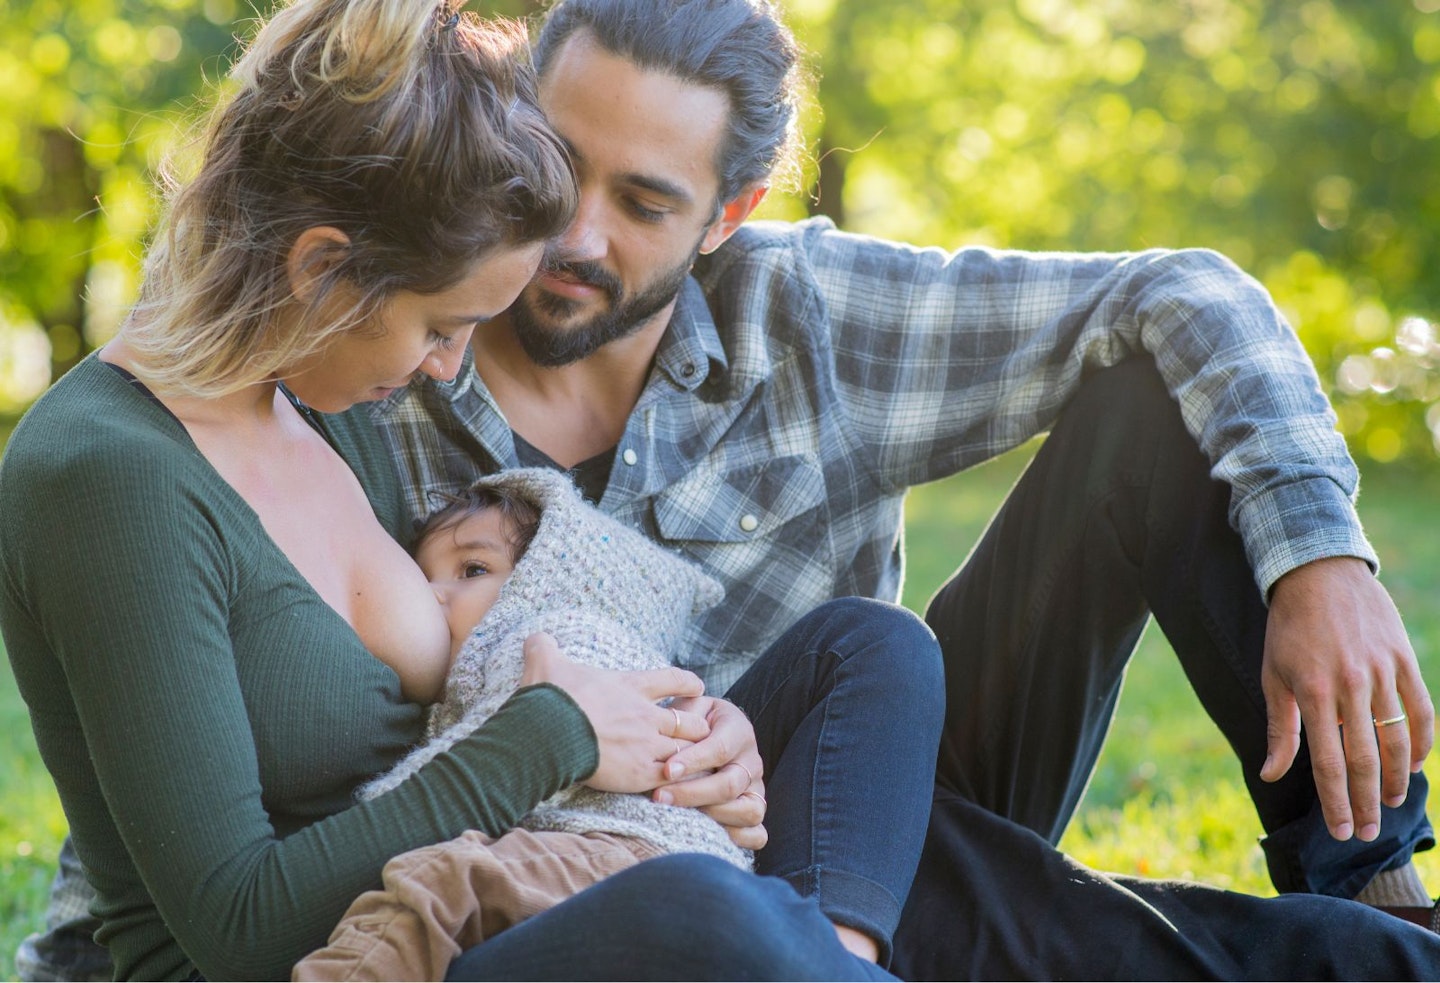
315,252
732,215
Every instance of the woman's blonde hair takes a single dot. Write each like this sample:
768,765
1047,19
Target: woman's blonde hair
411,128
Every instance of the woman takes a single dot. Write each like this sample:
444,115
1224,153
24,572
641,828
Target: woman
208,695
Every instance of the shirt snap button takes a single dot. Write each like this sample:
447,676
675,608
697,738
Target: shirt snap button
748,523
629,457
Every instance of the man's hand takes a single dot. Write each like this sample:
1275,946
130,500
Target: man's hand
721,774
1337,654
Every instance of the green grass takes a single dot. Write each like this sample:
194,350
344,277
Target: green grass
1166,799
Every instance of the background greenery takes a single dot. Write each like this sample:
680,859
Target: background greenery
1299,138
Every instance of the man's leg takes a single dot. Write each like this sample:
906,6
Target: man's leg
1116,517
992,900
847,708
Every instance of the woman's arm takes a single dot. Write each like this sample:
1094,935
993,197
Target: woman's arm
121,595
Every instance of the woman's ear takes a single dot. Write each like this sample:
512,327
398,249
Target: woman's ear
315,252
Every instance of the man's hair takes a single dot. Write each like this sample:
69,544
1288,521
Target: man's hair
739,47
519,516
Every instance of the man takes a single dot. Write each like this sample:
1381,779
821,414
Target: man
761,397
766,411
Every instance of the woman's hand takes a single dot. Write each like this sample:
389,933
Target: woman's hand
635,734
721,775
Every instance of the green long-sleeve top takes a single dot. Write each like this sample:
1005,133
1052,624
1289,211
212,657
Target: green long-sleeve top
204,713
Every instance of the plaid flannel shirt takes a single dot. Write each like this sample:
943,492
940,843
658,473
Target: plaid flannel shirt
809,377
66,949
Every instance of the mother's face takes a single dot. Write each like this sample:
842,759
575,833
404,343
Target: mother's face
413,333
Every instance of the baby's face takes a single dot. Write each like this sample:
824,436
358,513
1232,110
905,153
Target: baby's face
467,565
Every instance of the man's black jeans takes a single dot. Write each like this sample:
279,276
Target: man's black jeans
1117,517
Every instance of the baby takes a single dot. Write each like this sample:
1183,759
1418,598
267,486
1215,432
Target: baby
515,554
541,559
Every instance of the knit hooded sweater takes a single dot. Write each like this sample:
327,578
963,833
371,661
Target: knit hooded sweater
205,715
611,598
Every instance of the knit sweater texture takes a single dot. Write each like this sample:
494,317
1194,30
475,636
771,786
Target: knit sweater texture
611,598
205,714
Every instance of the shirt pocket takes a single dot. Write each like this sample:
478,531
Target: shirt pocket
763,531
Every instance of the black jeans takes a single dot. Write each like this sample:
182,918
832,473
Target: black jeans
1116,518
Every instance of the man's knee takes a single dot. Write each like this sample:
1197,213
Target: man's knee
1129,393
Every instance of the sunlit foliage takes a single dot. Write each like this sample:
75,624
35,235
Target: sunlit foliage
1299,138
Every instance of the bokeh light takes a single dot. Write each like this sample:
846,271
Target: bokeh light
24,362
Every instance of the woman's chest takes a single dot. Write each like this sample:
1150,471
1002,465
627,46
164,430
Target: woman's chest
325,714
315,513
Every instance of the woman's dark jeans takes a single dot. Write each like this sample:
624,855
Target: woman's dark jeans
847,708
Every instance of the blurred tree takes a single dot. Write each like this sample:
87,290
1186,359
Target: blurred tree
1300,139
86,82
97,92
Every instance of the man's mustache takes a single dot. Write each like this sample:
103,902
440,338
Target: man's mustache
587,272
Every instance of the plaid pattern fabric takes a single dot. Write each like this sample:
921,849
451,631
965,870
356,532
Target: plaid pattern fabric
809,377
66,949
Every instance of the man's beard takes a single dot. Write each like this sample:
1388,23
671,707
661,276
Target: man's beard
553,347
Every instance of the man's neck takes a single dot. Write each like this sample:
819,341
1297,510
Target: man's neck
575,411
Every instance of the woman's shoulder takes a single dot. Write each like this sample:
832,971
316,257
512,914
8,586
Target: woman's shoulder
93,410
92,432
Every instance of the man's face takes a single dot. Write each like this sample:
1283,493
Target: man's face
644,146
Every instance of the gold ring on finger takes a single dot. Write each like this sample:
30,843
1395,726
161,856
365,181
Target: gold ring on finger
1397,719
749,776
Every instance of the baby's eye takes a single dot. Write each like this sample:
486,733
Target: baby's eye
473,570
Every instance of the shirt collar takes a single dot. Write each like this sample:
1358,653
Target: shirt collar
691,349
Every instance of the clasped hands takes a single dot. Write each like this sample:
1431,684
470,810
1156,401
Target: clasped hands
695,751
1338,659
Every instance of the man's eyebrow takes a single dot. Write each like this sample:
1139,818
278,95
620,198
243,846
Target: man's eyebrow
658,185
